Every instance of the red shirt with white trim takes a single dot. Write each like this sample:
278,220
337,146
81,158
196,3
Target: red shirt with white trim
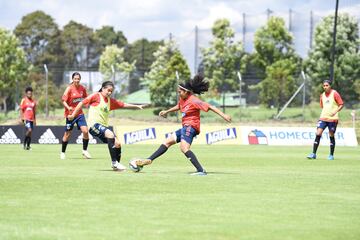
28,107
72,96
190,111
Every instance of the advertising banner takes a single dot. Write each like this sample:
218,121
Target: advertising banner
210,134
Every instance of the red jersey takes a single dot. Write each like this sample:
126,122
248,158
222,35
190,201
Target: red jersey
72,96
337,97
94,100
190,111
28,106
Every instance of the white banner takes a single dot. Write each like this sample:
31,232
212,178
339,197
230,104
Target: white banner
294,136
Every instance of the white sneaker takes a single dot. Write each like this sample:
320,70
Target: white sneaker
86,154
62,156
118,166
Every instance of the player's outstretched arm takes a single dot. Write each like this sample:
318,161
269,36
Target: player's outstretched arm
129,105
220,113
76,110
165,112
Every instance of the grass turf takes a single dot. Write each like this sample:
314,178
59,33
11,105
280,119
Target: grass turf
251,192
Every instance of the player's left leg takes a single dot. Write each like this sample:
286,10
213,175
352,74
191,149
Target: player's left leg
187,135
332,130
85,133
114,147
29,125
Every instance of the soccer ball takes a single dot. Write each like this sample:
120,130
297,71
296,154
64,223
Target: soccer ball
133,166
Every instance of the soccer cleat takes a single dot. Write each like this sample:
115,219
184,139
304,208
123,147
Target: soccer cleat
311,156
62,156
203,173
142,162
331,157
86,154
118,166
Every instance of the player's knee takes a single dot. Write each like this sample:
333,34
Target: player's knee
184,149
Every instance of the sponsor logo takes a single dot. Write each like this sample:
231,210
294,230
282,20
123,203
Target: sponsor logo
257,137
79,139
140,135
221,135
48,137
9,137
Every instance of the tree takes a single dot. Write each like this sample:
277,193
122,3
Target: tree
39,37
279,84
273,42
142,52
223,58
13,65
161,78
112,61
107,36
277,62
347,57
80,46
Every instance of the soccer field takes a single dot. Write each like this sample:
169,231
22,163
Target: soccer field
251,192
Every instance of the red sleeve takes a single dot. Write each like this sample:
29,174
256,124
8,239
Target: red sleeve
198,104
93,98
85,93
338,98
22,104
115,104
65,96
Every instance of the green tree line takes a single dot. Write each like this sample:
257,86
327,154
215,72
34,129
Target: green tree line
38,40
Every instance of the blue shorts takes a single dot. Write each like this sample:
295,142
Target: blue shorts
186,133
330,125
79,120
29,124
98,131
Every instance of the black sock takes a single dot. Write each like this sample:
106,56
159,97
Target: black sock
112,151
25,141
63,146
332,145
85,144
191,156
28,141
316,143
117,154
160,151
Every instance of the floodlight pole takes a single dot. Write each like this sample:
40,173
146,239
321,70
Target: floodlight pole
240,79
334,44
46,91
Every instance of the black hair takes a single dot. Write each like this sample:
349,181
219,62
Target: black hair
105,84
74,74
196,85
27,89
327,81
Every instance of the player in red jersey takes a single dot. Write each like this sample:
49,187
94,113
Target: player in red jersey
72,96
27,115
190,107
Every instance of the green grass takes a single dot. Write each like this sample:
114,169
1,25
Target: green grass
252,192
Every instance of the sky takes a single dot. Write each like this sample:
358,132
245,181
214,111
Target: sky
156,19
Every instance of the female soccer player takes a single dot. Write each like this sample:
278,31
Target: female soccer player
190,107
27,115
100,106
74,94
331,103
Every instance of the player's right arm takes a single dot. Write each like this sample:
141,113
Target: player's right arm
165,112
64,99
21,112
87,101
